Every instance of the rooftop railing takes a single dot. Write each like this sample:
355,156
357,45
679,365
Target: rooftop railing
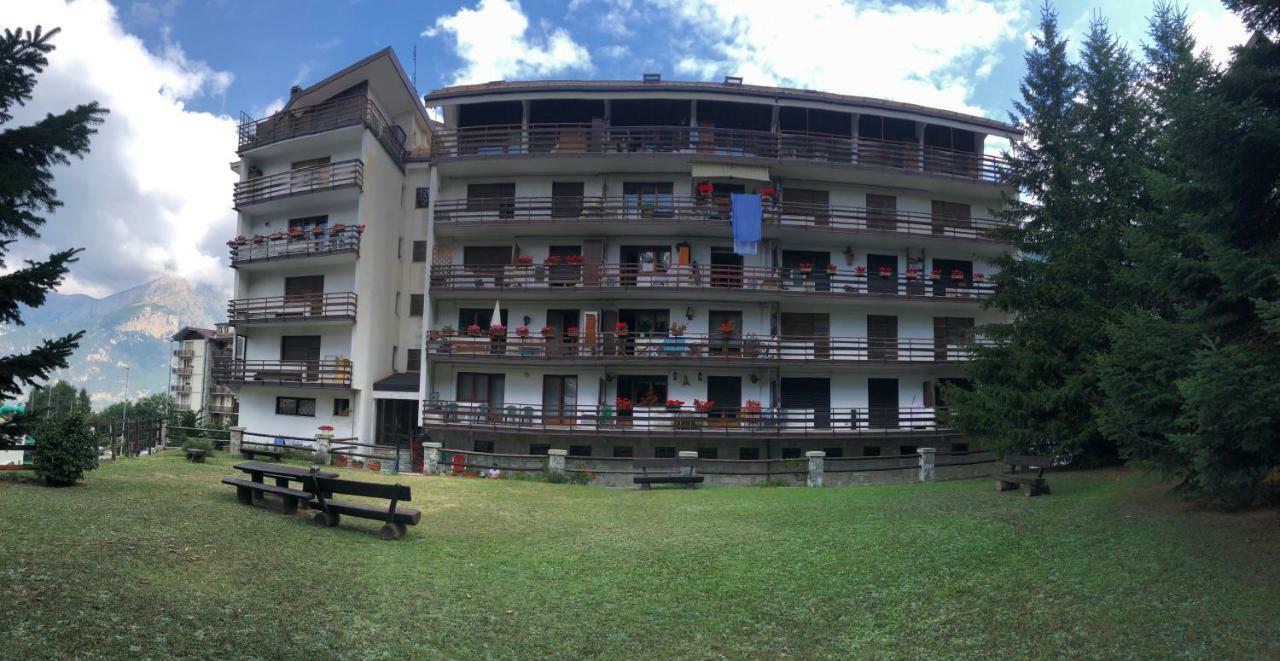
614,348
659,419
659,210
315,242
562,139
721,280
332,373
293,307
328,116
299,182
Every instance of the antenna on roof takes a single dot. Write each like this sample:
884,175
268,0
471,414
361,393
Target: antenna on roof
652,77
415,68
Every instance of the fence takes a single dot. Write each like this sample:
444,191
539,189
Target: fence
129,439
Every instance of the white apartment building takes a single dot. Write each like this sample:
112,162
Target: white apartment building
595,223
191,373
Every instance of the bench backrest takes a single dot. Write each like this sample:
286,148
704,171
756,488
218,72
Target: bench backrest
675,463
329,486
1029,461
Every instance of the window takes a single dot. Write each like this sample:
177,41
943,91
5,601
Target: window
341,407
643,390
300,348
539,448
871,451
416,302
580,450
834,452
422,197
749,454
664,452
790,453
304,406
708,453
623,451
483,446
959,448
906,449
648,199
492,197
486,256
478,316
478,387
413,360
419,251
309,223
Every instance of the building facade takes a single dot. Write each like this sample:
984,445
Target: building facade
192,382
554,265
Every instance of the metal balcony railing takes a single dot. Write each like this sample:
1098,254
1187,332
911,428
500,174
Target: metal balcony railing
328,116
576,139
657,418
573,211
317,242
302,373
184,353
722,280
293,307
290,183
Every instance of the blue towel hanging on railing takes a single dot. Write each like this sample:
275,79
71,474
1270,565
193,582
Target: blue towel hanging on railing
747,213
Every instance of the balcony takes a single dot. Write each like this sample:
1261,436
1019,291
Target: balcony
219,390
684,421
689,281
532,213
333,373
578,139
750,350
321,118
222,409
335,242
271,310
181,389
184,353
184,370
339,179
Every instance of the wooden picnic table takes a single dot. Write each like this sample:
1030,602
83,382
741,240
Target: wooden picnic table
283,474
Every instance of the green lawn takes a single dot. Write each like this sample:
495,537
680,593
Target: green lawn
153,556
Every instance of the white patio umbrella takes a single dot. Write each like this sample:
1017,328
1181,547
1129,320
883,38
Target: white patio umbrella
497,314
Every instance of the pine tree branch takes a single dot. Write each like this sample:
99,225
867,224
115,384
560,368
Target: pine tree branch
29,286
30,368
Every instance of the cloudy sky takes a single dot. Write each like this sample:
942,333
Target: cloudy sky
154,196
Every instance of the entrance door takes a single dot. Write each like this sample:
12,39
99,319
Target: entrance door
809,399
486,261
726,268
726,392
394,421
720,343
882,403
301,353
805,335
877,284
811,207
559,399
566,199
948,217
559,342
305,294
882,337
882,212
643,265
646,329
817,261
948,333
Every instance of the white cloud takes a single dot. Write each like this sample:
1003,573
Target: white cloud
153,196
927,54
1215,28
615,51
494,43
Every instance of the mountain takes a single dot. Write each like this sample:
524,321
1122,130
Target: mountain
131,327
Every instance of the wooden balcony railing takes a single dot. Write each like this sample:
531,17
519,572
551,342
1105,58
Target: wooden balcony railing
184,370
601,420
611,348
299,182
223,409
294,307
568,211
180,388
327,241
554,139
319,118
301,373
723,280
184,353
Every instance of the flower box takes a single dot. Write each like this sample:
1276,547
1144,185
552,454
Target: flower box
860,270
886,272
522,331
524,260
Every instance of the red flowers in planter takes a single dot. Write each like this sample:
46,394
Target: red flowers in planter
524,260
575,260
522,331
979,277
805,267
674,403
751,406
621,328
935,274
548,330
325,428
860,269
769,192
623,403
957,274
295,232
913,273
473,330
705,188
703,407
886,271
497,329
831,268
571,331
551,260
338,229
726,328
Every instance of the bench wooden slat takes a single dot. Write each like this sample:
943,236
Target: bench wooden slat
403,515
1028,460
268,488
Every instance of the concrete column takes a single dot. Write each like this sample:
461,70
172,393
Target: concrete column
816,460
688,454
555,461
164,434
927,463
237,436
431,458
320,454
404,460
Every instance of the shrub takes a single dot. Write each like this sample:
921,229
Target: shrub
66,447
194,443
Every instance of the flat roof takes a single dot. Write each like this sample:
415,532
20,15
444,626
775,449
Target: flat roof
445,95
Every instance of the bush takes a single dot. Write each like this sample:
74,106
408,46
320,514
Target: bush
66,447
194,443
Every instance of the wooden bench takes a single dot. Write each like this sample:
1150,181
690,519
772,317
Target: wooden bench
196,455
667,471
253,451
395,518
1033,484
248,490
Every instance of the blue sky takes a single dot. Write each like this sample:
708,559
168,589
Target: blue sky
176,74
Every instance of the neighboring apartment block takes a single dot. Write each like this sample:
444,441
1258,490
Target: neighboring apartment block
191,374
619,269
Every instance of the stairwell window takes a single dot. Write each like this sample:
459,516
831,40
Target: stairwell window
416,302
419,251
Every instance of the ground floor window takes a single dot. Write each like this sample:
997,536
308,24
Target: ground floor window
749,453
623,451
664,452
790,453
834,452
341,407
580,450
708,453
482,446
959,448
906,449
304,406
539,448
871,451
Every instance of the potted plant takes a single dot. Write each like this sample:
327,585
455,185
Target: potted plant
860,270
548,330
277,236
805,267
338,228
498,330
935,274
522,331
571,331
357,463
327,429
750,413
677,329
979,277
624,410
317,230
238,241
768,193
524,261
886,272
831,269
474,330
295,232
339,460
705,189
673,405
551,260
448,330
957,275
258,238
726,329
913,273
375,465
620,329
575,260
359,229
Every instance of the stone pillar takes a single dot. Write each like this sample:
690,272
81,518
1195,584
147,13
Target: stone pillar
320,453
555,461
926,463
404,460
431,458
237,436
164,434
816,460
688,471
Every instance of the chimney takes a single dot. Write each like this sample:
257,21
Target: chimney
295,91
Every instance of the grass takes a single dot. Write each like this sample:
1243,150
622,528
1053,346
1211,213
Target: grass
153,557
